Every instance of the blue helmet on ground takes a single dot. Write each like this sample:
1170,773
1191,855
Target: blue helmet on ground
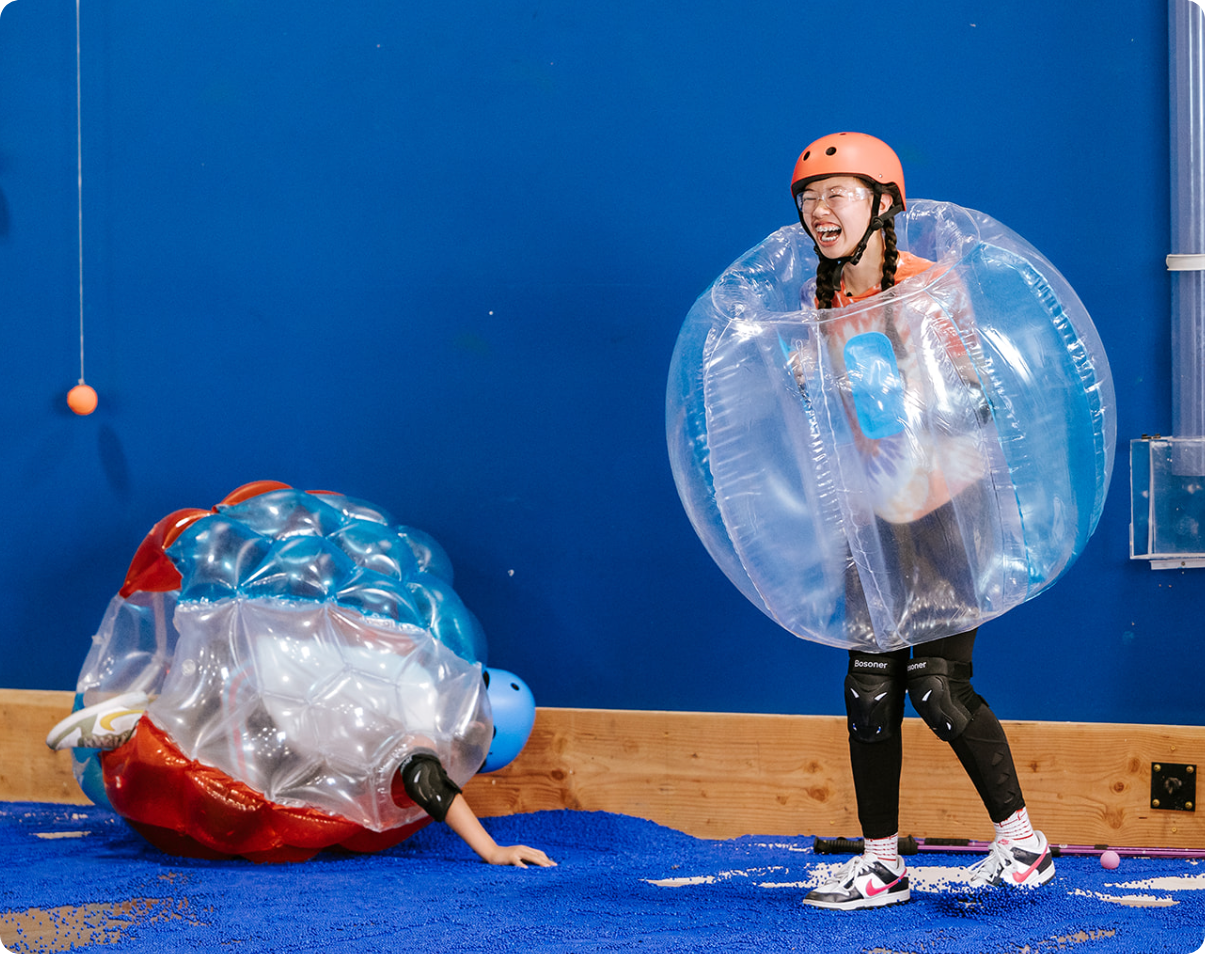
514,710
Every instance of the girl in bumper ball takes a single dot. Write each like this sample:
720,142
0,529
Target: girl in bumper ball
887,428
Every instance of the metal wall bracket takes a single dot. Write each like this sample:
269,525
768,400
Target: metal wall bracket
1173,787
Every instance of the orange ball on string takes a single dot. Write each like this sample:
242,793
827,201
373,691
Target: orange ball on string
81,399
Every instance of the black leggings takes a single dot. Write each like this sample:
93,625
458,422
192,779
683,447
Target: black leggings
982,749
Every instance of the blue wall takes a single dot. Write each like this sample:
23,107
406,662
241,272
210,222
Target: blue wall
436,256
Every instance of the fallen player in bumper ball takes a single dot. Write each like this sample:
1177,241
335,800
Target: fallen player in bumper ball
290,672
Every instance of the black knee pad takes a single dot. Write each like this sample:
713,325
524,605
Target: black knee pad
874,697
941,693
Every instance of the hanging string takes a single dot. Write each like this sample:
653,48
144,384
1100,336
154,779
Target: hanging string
79,169
81,398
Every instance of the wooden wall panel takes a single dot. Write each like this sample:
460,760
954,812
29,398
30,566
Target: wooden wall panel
719,775
30,772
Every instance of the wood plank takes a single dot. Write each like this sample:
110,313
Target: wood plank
717,775
30,772
720,775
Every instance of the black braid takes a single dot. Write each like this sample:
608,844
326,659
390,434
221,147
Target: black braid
891,255
828,275
891,260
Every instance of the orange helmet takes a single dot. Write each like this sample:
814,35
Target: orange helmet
852,154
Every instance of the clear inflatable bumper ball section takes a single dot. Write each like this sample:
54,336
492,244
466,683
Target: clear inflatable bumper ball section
871,500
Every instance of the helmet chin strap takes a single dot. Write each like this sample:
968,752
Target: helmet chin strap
875,224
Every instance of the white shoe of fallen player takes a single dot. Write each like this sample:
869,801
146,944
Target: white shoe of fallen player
105,725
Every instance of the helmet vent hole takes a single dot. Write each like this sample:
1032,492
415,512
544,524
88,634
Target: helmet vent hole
831,150
806,155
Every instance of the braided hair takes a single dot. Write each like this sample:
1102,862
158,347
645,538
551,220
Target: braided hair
828,280
891,259
828,270
891,255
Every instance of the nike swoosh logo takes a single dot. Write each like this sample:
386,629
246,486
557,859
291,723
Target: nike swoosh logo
1019,878
872,892
106,721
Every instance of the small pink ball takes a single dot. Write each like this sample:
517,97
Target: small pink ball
1109,859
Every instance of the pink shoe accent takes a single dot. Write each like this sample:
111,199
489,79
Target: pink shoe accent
1019,876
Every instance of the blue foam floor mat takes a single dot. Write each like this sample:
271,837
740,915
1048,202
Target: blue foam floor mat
76,878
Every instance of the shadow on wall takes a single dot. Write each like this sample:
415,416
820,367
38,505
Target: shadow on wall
113,462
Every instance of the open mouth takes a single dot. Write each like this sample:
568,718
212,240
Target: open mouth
827,234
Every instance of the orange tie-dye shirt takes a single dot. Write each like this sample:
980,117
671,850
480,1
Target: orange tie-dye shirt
935,456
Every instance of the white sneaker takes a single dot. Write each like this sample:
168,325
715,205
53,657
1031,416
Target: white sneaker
105,725
1006,863
863,882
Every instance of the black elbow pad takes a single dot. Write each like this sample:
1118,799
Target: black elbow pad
428,784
